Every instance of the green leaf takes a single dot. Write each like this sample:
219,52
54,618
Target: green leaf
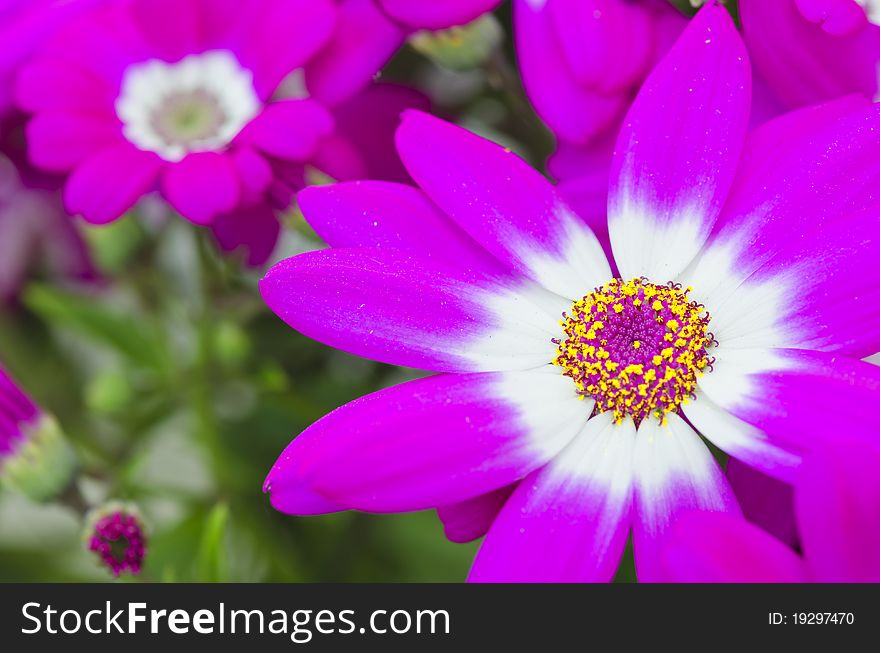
211,564
122,332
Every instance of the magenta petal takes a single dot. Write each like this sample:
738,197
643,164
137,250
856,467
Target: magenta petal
171,27
608,43
468,520
777,455
368,122
254,229
837,498
670,177
575,113
795,396
807,61
674,473
421,14
254,172
286,35
383,214
804,180
834,299
202,186
396,307
108,184
764,500
836,17
291,497
290,129
434,441
720,548
339,158
503,203
364,41
53,85
59,140
569,521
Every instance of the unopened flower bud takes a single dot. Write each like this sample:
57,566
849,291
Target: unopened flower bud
115,532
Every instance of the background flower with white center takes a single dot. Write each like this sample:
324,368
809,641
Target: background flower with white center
188,98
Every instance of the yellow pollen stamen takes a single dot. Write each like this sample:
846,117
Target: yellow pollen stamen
648,359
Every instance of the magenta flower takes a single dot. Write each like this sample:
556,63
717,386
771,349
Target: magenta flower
837,500
740,305
115,533
218,105
811,51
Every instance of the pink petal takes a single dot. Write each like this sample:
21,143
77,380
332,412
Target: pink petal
468,520
393,306
436,15
827,289
368,121
202,186
775,454
383,214
837,498
805,180
793,397
719,548
254,229
608,44
60,140
572,111
286,35
503,203
807,61
291,497
171,27
764,500
254,172
836,17
674,474
670,177
364,41
290,129
55,85
569,521
434,441
109,183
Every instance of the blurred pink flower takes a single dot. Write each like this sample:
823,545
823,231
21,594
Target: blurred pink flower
218,105
837,503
